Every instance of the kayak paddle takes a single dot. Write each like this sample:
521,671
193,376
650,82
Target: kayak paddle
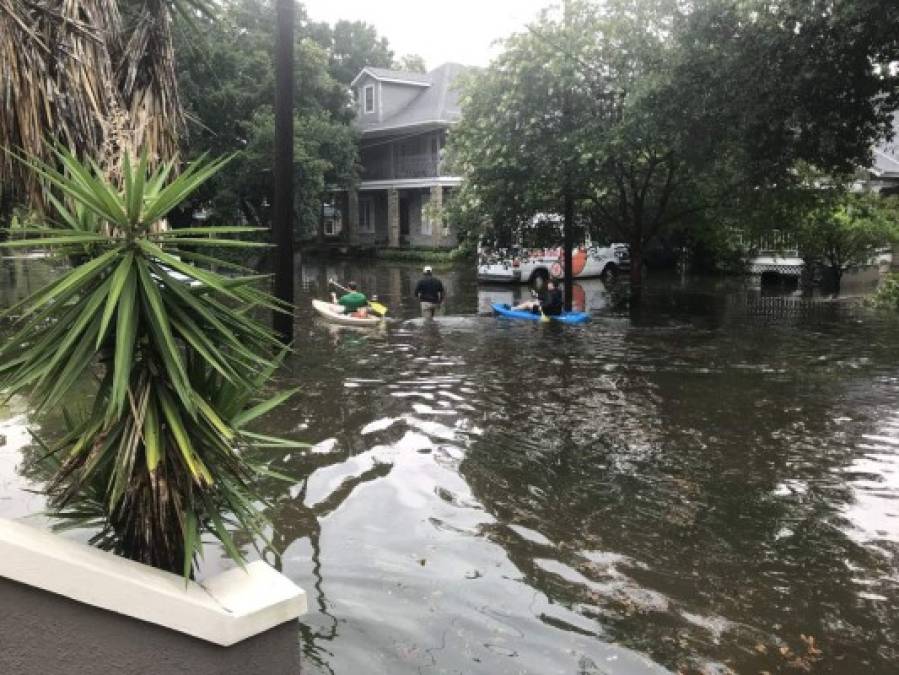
376,307
543,317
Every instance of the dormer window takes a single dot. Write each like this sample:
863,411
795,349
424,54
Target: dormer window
368,98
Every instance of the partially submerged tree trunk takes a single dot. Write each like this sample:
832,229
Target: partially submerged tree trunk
636,271
834,278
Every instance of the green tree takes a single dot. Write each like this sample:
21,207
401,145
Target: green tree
412,63
793,80
887,295
846,229
574,105
228,90
658,117
351,45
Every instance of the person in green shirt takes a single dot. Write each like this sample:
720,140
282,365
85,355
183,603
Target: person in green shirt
354,301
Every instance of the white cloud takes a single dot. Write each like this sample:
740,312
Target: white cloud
457,30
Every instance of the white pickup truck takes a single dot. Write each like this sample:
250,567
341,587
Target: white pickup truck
529,266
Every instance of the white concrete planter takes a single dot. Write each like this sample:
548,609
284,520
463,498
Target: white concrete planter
60,597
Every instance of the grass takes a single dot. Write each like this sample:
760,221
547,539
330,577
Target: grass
423,254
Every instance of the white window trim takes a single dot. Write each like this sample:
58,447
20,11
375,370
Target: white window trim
365,91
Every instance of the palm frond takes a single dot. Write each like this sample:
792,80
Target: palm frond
80,74
158,458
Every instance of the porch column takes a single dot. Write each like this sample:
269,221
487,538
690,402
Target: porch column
352,215
435,211
393,218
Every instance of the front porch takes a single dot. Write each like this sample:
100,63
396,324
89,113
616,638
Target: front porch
390,214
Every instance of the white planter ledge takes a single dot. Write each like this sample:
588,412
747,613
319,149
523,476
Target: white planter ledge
224,610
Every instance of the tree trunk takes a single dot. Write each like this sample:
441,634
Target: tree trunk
837,274
6,207
636,255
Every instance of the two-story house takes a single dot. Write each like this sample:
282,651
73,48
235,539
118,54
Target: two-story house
402,119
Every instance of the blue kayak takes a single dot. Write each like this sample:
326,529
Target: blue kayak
565,317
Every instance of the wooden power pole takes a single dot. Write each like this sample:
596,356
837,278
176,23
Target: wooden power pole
282,206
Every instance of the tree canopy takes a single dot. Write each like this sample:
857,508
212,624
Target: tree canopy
350,45
657,112
227,79
180,79
574,104
845,228
412,63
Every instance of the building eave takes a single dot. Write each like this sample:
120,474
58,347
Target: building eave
388,130
409,183
394,80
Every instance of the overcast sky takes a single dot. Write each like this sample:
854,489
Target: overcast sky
455,30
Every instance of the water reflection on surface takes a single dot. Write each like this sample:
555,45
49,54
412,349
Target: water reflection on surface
706,483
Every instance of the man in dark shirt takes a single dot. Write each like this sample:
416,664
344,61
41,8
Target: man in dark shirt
430,293
551,303
554,302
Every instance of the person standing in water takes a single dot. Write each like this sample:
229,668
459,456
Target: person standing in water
430,293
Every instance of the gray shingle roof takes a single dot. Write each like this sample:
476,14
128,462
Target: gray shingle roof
438,103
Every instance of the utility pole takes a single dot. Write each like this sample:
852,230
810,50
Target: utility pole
282,206
568,211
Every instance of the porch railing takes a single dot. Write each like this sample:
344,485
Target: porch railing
403,168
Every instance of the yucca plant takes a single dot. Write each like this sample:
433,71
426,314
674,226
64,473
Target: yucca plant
156,358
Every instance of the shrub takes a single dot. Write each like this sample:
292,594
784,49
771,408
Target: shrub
156,457
887,296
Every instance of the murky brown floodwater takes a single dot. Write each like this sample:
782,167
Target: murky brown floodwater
708,483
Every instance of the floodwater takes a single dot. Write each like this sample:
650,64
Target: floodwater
708,483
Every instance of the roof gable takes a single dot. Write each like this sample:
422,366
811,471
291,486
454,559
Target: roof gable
437,103
394,76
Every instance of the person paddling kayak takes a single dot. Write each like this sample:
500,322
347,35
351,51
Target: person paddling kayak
354,302
552,304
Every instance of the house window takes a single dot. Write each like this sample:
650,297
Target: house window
332,220
366,216
368,95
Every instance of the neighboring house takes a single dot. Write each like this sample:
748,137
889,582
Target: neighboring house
402,120
884,172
